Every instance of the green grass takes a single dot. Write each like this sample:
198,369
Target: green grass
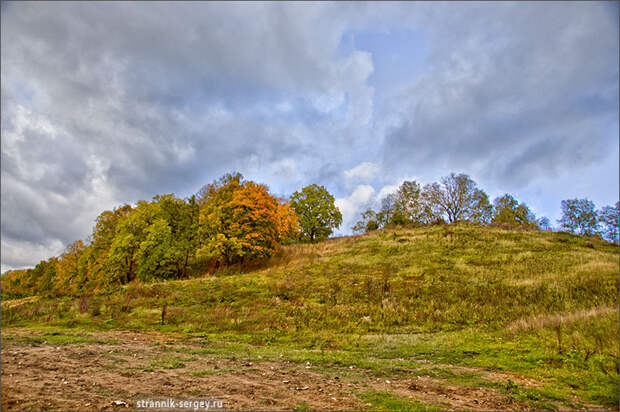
539,304
303,406
170,363
60,338
388,401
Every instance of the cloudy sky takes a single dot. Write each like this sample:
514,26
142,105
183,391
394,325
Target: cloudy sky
109,103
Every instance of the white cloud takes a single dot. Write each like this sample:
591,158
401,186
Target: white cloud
21,254
351,206
363,171
386,190
389,189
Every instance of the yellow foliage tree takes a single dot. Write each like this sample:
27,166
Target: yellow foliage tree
240,220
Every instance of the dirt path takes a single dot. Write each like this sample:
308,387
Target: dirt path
123,366
92,376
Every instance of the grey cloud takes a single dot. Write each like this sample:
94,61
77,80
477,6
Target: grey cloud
146,99
534,72
107,103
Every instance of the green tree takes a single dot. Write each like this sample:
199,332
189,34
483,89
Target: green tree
120,265
158,256
509,211
609,218
409,203
103,237
70,269
458,198
481,208
157,240
317,214
405,206
368,222
390,212
181,216
45,283
544,223
579,216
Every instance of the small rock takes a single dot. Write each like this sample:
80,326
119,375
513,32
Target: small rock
285,381
88,404
388,382
476,401
248,364
119,403
302,388
351,367
334,399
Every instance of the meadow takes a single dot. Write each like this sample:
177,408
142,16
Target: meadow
440,317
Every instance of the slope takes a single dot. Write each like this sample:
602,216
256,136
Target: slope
528,318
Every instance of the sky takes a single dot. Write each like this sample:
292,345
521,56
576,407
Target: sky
107,103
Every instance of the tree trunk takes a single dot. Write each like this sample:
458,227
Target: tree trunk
185,265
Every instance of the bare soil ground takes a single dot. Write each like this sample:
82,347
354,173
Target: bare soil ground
125,366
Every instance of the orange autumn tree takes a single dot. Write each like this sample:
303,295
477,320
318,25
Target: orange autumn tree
240,220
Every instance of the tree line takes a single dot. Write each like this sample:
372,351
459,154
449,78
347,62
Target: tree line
233,221
457,198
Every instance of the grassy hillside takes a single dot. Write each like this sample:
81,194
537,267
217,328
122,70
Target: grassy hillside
541,305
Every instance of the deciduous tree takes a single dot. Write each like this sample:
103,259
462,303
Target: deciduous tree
240,220
458,198
405,206
544,223
317,213
368,222
579,216
70,269
509,211
609,218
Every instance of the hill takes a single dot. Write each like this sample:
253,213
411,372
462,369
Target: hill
449,316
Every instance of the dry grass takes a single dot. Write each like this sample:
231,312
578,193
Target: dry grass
13,303
553,320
